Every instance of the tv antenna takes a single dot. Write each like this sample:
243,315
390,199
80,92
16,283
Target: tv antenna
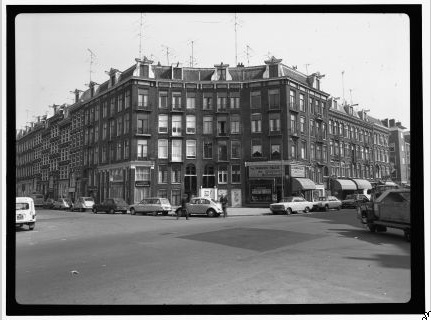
167,53
306,67
342,80
236,23
351,100
92,56
248,49
192,57
141,31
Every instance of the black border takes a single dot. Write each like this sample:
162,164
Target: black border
417,303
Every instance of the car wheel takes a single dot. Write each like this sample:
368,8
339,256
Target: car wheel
165,213
94,211
307,210
338,208
82,210
132,211
372,227
31,226
326,208
289,211
111,211
211,213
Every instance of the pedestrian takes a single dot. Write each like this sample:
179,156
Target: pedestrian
183,210
223,200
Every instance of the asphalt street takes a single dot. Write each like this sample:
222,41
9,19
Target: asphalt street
256,258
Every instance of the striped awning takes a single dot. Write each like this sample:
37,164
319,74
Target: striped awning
344,184
362,184
302,184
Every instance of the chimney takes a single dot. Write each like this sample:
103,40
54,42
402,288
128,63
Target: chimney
391,123
38,119
55,108
386,122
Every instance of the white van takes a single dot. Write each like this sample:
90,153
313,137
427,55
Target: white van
25,212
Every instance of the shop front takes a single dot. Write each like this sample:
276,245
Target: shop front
265,182
340,188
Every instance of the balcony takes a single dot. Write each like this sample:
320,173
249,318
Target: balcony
275,133
319,117
294,132
177,108
293,106
222,134
143,133
222,109
147,108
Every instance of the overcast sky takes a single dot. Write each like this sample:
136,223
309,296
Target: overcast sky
52,56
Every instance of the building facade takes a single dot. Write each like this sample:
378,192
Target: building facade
257,134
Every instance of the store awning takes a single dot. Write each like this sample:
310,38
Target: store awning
344,184
362,184
302,184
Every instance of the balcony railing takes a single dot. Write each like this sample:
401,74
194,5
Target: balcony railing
294,106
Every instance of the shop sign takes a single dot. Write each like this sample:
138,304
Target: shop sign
261,190
297,171
72,189
142,183
265,171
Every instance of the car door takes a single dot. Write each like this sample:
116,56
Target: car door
193,206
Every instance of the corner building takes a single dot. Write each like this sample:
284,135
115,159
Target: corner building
255,133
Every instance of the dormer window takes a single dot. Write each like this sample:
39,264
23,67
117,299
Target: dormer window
113,80
145,71
221,74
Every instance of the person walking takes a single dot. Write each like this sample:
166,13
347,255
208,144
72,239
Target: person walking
223,200
183,210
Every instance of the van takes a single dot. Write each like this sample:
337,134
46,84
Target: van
25,212
39,200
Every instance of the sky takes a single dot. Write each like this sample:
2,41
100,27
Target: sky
53,52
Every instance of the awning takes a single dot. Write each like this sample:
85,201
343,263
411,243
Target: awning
344,184
362,184
302,184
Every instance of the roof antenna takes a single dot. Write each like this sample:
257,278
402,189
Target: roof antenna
306,67
167,53
342,79
236,23
248,49
92,55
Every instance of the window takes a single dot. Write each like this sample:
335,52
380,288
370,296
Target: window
176,100
346,131
318,152
208,150
301,103
143,126
96,113
222,150
256,123
119,102
177,150
119,126
142,149
104,109
316,107
142,174
312,152
112,108
275,152
208,125
235,149
341,149
163,100
331,147
293,149
126,123
330,126
176,174
191,149
256,148
310,105
163,174
324,153
163,123
303,150
176,125
208,101
112,129
274,98
191,124
142,99
191,100
221,101
340,129
256,100
302,125
163,149
234,100
208,178
293,124
96,133
292,99
274,122
312,131
234,124
221,126
126,149
105,128
222,174
119,153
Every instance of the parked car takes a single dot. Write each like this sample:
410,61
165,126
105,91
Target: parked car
49,203
62,204
83,203
203,205
111,205
25,212
37,199
326,203
290,205
352,200
152,205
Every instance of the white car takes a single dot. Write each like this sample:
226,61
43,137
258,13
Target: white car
25,212
329,202
151,205
83,203
290,205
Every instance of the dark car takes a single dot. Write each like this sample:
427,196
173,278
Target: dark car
111,205
49,203
353,200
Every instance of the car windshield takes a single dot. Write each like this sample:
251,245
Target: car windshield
88,199
164,201
350,196
288,199
22,206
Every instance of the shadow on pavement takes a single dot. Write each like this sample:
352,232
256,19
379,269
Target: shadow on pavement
388,260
